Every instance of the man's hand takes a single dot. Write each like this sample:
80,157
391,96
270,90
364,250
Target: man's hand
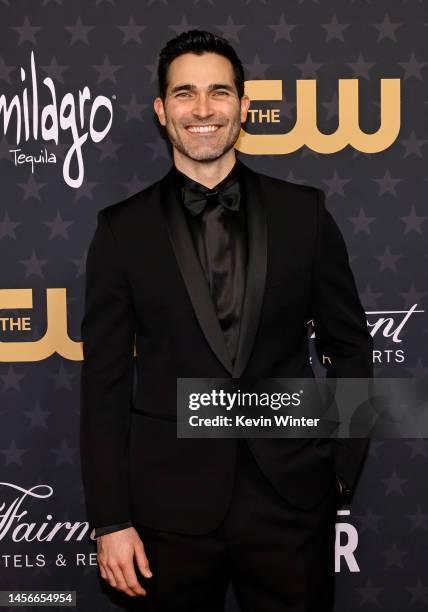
116,560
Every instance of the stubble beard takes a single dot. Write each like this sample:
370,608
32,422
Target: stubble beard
205,153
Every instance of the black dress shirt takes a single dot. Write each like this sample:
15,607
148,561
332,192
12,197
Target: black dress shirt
225,274
224,263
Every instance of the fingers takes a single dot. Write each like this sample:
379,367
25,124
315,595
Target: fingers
142,561
102,570
124,575
131,580
120,583
121,574
116,552
123,578
110,578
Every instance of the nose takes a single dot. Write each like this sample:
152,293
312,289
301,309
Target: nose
202,107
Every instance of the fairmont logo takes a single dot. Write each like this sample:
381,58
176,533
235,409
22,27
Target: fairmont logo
73,114
19,530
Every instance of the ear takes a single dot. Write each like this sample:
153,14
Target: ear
159,110
245,105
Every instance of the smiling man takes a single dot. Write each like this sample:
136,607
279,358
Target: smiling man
213,271
203,123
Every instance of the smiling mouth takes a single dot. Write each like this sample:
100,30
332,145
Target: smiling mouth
203,129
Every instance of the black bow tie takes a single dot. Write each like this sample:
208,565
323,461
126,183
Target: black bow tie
228,195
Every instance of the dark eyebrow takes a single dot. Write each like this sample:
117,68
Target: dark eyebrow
211,87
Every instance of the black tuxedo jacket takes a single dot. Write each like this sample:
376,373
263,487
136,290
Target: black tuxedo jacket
144,283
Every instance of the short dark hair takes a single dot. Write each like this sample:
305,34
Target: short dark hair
198,42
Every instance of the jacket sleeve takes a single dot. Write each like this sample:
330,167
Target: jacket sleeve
341,331
99,531
107,330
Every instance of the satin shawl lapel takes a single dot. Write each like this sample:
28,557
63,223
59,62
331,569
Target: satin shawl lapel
191,270
256,268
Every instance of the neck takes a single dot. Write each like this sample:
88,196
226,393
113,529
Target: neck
208,173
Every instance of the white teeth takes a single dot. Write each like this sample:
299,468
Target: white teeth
203,129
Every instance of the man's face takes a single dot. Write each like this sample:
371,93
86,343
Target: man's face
202,112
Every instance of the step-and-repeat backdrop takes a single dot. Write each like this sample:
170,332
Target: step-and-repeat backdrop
360,70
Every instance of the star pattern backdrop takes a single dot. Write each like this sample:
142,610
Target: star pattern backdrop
379,201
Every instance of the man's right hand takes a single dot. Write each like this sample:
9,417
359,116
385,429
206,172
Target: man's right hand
116,553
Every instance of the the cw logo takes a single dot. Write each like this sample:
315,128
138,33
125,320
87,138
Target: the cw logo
305,130
55,339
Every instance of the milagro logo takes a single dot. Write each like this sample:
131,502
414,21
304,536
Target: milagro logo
13,512
67,114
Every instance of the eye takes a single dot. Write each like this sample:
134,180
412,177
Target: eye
222,92
182,93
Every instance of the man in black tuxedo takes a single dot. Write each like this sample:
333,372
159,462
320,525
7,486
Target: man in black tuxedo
213,271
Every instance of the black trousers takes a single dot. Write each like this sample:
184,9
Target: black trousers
279,558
